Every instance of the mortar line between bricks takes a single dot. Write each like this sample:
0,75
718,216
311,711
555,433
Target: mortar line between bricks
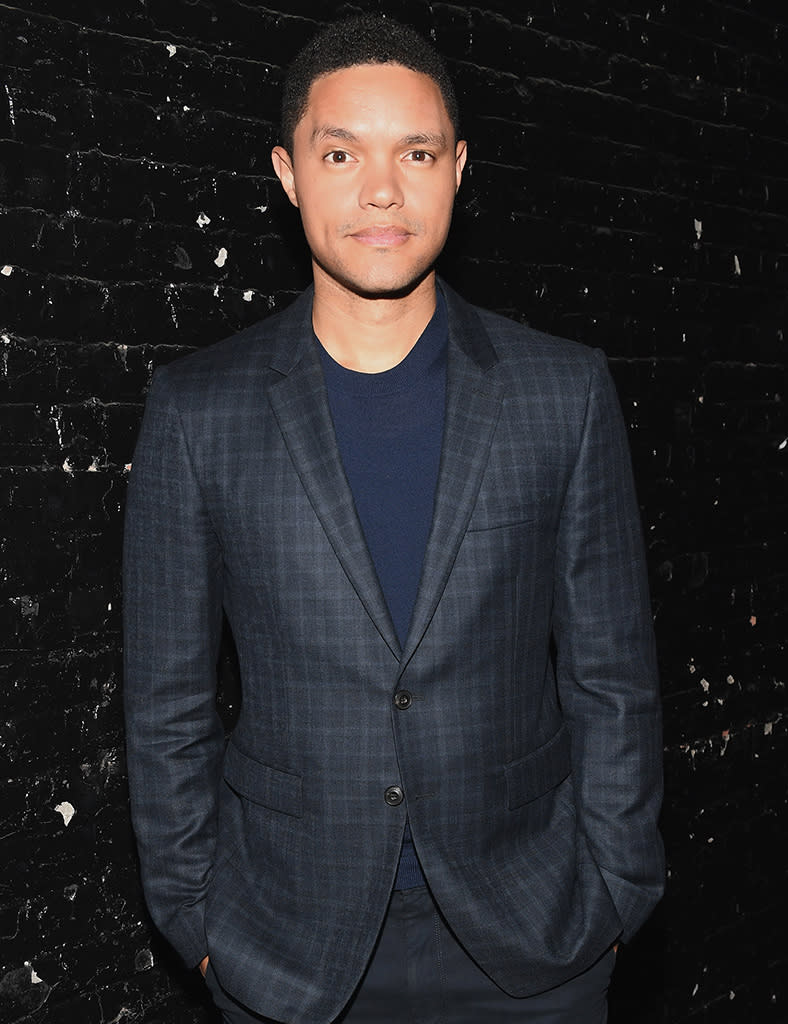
114,469
585,90
718,87
626,14
751,724
738,287
732,9
91,402
627,147
154,282
75,215
164,39
634,190
146,100
149,161
631,16
37,340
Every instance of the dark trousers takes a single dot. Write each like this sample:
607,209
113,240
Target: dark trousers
420,974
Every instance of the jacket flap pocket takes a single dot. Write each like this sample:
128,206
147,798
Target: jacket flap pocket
262,784
540,771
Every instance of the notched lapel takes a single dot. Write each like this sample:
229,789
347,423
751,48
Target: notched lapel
473,405
300,404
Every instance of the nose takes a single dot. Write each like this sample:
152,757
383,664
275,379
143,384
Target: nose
381,186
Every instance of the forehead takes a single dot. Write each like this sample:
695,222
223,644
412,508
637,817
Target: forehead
372,95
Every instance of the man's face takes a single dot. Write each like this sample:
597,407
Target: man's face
374,172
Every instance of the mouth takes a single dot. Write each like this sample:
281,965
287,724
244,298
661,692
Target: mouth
381,235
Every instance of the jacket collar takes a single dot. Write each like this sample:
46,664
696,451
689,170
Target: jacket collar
473,400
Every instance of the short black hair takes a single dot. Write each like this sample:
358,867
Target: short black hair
362,39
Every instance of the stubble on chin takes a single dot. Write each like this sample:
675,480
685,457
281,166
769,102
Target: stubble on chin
376,284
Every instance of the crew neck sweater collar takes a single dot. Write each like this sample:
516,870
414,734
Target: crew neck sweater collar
429,350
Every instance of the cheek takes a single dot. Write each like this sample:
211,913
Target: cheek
322,210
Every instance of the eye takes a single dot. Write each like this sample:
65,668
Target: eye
337,156
420,156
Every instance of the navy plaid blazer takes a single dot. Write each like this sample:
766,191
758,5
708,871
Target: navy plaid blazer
529,753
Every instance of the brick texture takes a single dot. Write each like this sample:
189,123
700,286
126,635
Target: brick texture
627,187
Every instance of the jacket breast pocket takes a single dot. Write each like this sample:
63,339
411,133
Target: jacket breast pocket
484,519
540,771
261,784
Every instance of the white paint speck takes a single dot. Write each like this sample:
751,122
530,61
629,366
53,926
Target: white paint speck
171,50
705,684
11,114
248,294
94,466
127,468
736,265
203,219
216,291
695,990
186,109
34,978
782,445
7,271
261,209
698,228
730,680
171,303
67,810
767,728
67,467
56,415
221,257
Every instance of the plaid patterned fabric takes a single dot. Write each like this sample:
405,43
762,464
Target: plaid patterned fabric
528,758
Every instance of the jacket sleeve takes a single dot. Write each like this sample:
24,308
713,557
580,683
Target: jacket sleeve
606,662
172,624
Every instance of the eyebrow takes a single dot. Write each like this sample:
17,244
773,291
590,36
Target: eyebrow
331,131
436,139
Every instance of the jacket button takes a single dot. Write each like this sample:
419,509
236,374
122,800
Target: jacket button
393,796
403,700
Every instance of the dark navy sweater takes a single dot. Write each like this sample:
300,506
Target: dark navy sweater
389,428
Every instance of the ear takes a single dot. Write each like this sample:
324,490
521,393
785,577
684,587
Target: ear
283,168
460,156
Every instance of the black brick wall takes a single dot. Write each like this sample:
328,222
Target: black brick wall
627,187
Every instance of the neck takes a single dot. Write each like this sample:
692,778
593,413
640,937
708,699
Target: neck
370,335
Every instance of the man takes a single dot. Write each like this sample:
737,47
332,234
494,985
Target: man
439,801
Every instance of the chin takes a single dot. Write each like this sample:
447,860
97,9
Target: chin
383,286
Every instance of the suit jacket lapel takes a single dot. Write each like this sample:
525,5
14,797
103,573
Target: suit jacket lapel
300,404
473,403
